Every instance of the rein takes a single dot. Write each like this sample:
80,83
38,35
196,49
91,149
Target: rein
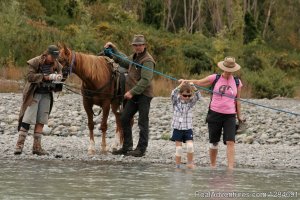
86,96
73,61
91,91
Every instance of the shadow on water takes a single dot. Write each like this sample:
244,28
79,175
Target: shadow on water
35,179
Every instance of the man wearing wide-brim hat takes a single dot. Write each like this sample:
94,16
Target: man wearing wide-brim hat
223,108
139,93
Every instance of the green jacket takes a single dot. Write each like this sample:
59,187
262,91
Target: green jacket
139,80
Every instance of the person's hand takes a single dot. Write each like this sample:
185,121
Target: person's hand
181,81
193,86
128,95
110,45
241,119
55,77
108,52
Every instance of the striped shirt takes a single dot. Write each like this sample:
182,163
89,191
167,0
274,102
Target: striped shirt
182,112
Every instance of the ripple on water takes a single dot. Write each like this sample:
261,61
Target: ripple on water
33,179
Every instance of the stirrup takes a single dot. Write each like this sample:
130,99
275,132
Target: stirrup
120,109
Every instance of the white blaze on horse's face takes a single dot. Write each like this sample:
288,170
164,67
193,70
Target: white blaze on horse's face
138,48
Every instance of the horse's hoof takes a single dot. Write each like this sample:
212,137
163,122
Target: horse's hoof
115,146
91,152
103,152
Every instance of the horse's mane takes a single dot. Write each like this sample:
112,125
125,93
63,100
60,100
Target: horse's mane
94,68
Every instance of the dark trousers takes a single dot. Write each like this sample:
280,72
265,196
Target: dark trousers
141,104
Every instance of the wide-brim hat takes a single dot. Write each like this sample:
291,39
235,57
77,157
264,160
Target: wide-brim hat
138,39
229,65
53,51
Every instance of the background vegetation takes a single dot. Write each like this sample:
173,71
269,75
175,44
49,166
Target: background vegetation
186,37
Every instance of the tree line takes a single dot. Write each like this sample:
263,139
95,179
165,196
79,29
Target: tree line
187,37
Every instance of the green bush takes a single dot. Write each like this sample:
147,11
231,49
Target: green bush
270,83
251,60
198,60
287,61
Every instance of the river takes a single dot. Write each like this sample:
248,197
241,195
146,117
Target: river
58,179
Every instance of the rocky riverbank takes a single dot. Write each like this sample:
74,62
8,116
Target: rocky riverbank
271,140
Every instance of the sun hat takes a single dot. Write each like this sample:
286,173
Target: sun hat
53,51
229,65
138,39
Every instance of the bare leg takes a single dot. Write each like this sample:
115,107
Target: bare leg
230,154
213,157
177,157
38,128
190,160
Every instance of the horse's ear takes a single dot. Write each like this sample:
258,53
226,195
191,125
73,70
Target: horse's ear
63,46
59,45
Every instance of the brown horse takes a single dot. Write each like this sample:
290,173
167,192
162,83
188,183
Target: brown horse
97,89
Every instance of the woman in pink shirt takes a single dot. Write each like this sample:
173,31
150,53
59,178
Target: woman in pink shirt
223,109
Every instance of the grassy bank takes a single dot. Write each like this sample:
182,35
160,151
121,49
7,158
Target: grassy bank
12,80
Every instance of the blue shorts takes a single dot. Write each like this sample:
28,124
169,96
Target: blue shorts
182,135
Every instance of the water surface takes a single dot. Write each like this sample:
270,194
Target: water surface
36,179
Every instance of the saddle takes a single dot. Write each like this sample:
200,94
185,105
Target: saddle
119,77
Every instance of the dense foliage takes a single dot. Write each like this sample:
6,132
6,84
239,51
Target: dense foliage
186,37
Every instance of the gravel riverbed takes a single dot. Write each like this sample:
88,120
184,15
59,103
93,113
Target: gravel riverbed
271,141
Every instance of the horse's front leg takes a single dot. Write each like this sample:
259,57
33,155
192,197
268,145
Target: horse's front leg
119,138
89,112
103,126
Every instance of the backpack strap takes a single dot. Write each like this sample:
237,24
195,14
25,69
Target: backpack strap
237,81
215,81
212,88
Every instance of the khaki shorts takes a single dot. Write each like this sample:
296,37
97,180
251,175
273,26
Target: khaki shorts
38,111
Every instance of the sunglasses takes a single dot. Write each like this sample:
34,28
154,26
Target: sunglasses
137,45
186,95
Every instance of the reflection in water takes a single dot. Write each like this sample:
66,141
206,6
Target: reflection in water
34,179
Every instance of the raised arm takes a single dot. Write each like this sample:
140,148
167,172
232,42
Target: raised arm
202,82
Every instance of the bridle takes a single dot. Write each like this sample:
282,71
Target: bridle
70,66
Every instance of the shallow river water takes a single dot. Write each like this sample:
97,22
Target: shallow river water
37,179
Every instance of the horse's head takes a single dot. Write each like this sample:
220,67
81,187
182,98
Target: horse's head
65,59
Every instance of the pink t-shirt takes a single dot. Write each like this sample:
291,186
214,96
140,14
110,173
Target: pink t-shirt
223,104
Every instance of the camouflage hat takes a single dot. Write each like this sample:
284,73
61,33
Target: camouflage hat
53,51
138,39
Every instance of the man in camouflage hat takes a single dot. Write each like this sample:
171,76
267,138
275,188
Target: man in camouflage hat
38,97
139,93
